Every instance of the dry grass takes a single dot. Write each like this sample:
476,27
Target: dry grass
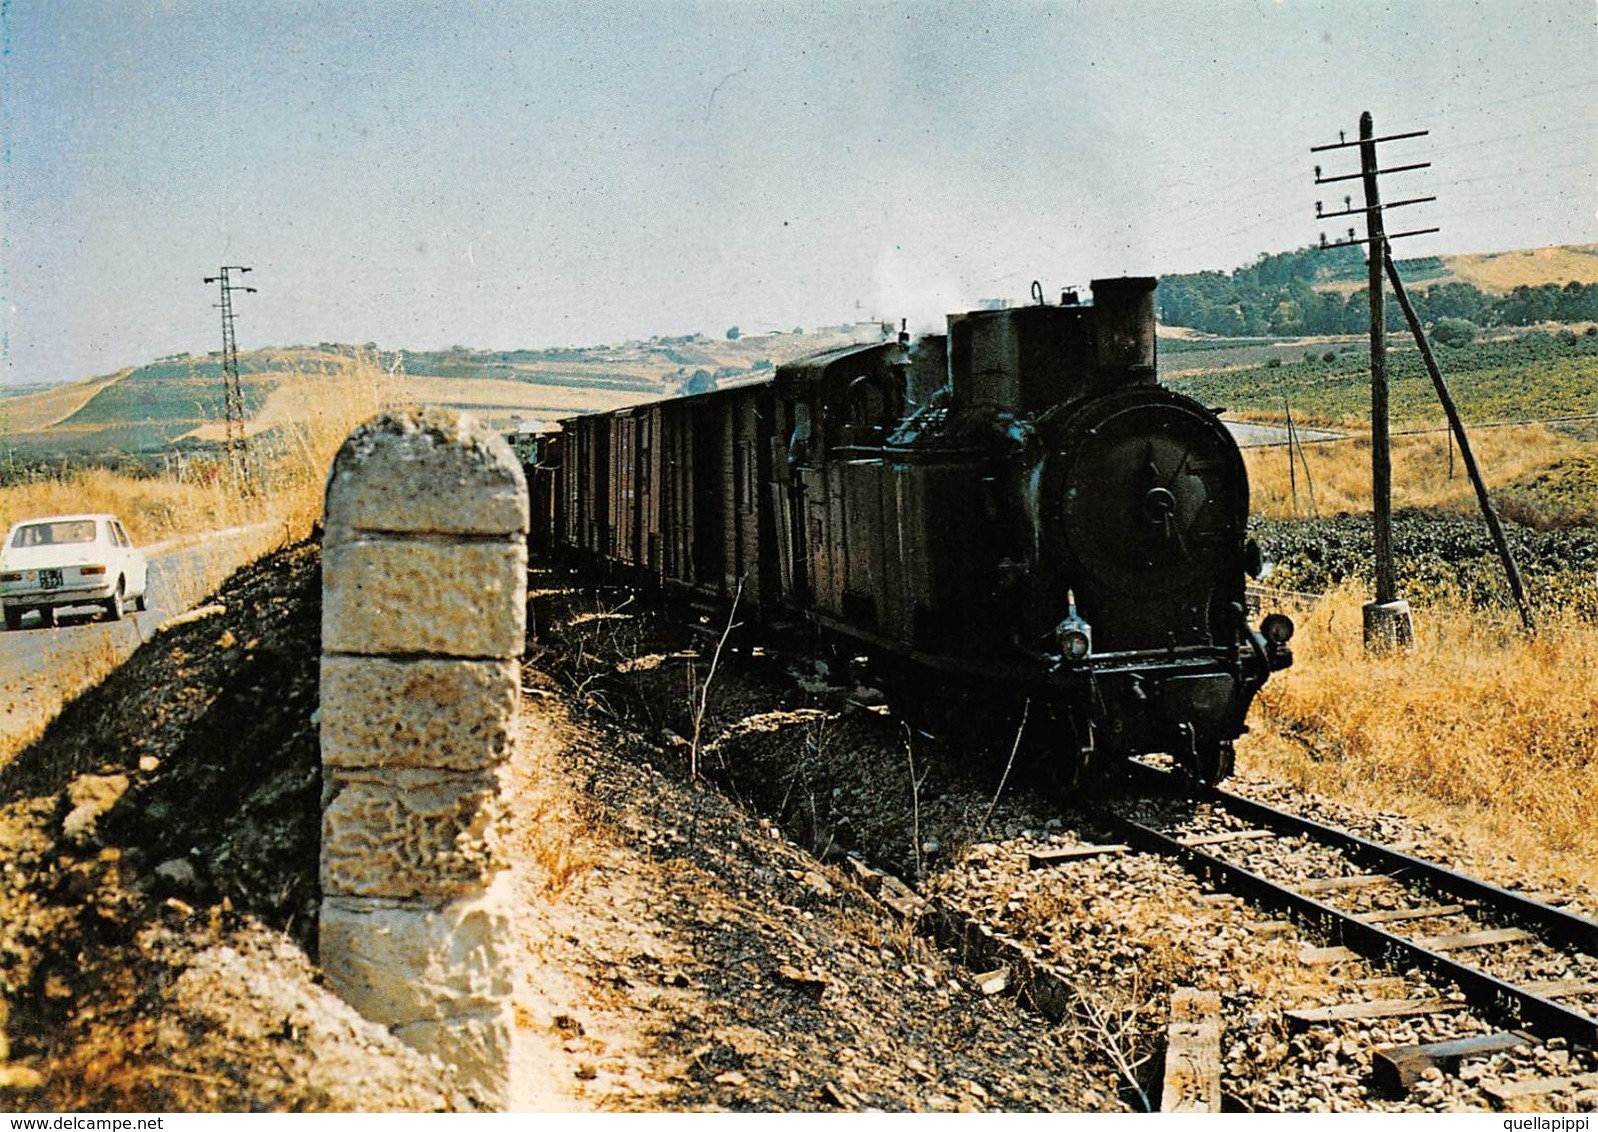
153,509
314,414
1502,272
1480,728
1340,471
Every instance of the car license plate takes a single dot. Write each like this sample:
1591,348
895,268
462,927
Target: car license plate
50,579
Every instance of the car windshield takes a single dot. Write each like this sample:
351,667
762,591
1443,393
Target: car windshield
55,534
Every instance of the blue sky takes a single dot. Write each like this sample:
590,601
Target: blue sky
529,174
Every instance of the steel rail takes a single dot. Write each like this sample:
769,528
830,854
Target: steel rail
1517,1006
1565,927
1556,923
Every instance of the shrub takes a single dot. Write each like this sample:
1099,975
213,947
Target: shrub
1454,332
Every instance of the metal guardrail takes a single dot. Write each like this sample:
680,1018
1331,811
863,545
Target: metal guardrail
1261,598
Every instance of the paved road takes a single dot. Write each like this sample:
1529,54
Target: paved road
1266,436
40,668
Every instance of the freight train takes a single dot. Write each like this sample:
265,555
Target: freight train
1013,510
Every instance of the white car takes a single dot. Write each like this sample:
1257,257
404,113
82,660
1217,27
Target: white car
65,560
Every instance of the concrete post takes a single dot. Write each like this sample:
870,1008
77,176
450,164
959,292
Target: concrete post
1389,627
424,579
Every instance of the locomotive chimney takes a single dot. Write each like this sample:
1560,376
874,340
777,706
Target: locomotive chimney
1123,315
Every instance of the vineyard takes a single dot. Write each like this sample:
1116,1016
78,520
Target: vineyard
1439,557
1535,375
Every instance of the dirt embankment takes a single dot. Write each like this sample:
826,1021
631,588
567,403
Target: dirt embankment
158,906
158,898
686,942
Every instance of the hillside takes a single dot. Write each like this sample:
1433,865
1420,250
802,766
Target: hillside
177,402
1499,273
1315,291
1494,274
1282,309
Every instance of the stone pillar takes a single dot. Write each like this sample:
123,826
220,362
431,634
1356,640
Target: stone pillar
424,581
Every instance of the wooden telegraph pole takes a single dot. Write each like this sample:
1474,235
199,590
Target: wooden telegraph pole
1387,619
1381,440
1388,624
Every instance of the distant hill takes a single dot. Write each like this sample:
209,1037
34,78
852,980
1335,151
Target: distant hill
1492,273
1314,291
1499,273
177,402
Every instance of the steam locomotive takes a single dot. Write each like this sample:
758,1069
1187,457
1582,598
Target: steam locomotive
1015,508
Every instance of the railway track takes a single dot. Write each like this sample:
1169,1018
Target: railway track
1527,966
1490,988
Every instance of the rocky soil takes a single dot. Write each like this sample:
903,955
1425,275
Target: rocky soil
699,834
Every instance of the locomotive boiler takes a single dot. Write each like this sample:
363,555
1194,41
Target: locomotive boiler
1013,509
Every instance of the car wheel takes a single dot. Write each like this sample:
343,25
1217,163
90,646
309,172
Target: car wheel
47,618
140,603
113,604
13,619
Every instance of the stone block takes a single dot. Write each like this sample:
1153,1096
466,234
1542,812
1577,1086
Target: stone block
407,964
425,470
407,834
450,714
386,596
479,1047
1389,627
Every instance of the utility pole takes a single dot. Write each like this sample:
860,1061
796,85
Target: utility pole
1381,440
232,393
1387,619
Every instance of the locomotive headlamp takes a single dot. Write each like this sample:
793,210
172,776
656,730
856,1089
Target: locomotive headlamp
1074,634
1075,641
1278,628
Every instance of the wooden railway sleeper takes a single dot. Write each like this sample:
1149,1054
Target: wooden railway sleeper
1517,1005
